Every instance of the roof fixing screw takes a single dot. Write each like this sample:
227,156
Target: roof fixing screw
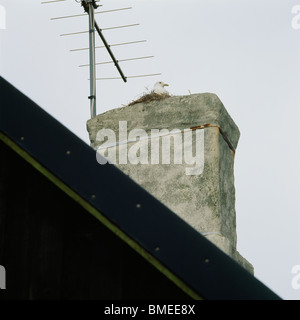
22,138
93,196
138,205
68,152
157,249
206,260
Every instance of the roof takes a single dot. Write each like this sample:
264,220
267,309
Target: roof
162,238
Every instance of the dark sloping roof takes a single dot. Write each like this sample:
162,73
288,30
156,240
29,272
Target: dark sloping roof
160,236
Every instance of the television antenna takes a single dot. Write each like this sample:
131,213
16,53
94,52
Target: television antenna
89,7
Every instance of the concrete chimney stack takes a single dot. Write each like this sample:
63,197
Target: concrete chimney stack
181,150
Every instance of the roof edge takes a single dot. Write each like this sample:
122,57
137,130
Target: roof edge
100,217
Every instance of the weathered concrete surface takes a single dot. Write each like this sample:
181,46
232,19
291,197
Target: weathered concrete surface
205,201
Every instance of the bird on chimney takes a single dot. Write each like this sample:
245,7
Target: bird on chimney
159,88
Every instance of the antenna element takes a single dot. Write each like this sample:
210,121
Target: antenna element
89,7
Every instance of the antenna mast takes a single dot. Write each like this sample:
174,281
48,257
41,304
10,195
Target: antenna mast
89,6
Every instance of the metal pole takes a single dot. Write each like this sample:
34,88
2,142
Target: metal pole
92,96
110,52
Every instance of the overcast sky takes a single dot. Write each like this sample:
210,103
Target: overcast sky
245,51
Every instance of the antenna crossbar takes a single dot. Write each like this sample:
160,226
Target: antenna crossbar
45,2
122,60
103,29
111,45
84,14
137,76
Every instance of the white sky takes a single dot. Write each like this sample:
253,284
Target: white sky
245,51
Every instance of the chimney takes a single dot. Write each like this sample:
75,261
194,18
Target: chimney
181,150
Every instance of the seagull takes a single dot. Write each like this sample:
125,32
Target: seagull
159,88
